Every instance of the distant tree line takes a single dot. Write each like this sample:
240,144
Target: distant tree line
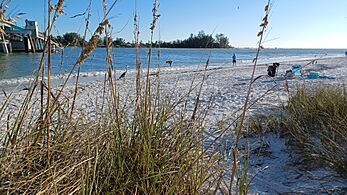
71,39
201,40
75,40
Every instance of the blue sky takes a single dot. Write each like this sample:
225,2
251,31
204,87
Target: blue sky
293,23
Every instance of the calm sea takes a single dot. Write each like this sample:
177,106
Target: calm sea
23,65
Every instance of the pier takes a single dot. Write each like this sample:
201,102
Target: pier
17,39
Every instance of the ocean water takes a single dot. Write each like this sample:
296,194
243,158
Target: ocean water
23,65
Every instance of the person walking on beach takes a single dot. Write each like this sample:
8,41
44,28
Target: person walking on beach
234,60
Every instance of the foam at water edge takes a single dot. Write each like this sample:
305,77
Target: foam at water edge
25,80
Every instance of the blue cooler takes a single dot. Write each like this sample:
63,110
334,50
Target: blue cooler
313,75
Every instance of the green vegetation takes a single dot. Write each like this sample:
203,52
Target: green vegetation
152,152
74,39
152,146
316,122
71,39
201,40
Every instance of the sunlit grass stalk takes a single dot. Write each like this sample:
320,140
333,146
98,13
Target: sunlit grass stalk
158,74
79,66
147,111
24,107
245,106
197,100
109,63
61,71
91,45
138,63
147,104
48,120
5,103
259,48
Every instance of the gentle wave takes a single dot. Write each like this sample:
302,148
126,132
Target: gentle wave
18,68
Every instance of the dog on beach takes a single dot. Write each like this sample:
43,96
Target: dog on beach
271,70
169,62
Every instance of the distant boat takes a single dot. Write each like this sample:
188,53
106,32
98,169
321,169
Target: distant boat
346,53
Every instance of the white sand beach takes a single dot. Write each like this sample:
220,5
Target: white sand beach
225,91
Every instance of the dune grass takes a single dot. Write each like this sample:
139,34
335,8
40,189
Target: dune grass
144,154
316,122
52,148
154,146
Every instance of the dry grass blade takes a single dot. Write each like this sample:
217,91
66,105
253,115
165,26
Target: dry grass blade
93,42
138,62
245,107
79,66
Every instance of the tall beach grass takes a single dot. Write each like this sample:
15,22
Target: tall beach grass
153,149
154,146
316,121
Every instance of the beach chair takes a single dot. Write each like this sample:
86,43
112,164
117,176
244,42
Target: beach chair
297,70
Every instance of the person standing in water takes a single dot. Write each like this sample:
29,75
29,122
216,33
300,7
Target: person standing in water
234,60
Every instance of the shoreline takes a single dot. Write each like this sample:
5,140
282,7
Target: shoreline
227,86
17,68
13,83
224,94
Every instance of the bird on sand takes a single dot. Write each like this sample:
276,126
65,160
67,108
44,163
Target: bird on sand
124,73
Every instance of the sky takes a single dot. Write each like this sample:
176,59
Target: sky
292,23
